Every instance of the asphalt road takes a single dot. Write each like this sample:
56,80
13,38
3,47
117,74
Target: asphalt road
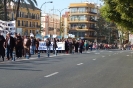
96,69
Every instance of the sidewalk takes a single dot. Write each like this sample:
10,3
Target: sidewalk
33,57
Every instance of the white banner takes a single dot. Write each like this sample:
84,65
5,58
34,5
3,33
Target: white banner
42,46
7,26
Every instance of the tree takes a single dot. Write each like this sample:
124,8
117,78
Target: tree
31,2
119,12
1,12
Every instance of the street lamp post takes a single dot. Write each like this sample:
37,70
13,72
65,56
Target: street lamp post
60,11
41,12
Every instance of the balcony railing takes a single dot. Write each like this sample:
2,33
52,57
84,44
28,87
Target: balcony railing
28,16
78,20
92,27
79,11
93,20
32,26
92,12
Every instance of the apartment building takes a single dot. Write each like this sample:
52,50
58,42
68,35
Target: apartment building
65,27
82,20
28,20
50,24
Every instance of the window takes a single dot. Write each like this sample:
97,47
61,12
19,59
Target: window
73,10
81,10
12,16
93,10
18,22
30,31
20,14
30,24
81,34
22,23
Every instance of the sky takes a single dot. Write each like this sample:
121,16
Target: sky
60,4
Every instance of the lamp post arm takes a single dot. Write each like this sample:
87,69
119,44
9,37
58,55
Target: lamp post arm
42,5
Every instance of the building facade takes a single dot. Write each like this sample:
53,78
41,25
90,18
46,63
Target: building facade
82,20
28,21
65,27
50,24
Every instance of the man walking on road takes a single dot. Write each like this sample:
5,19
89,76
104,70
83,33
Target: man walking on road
9,45
48,43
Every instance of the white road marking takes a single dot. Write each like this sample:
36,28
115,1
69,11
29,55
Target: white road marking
97,53
57,55
109,55
94,59
80,64
51,74
127,55
103,56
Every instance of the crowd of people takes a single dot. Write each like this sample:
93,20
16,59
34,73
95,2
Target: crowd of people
20,44
23,45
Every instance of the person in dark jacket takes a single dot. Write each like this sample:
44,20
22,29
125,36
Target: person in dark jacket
10,43
48,43
55,46
66,46
76,46
2,48
19,46
81,44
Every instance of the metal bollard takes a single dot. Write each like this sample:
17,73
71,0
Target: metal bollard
38,54
27,56
13,56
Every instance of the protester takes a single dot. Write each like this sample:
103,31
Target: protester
55,46
48,43
9,45
81,44
76,46
36,45
26,45
19,46
2,47
32,45
66,45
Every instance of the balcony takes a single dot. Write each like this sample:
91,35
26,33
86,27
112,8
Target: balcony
92,12
50,28
26,16
78,21
93,20
90,36
38,26
78,28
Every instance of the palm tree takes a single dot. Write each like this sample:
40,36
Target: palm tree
31,2
1,12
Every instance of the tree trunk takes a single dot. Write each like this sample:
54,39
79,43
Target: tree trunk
17,12
5,10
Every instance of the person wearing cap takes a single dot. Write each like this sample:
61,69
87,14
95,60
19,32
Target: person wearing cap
2,48
9,44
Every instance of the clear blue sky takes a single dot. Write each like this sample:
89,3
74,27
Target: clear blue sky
59,4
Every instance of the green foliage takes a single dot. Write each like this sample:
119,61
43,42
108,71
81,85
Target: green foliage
119,11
